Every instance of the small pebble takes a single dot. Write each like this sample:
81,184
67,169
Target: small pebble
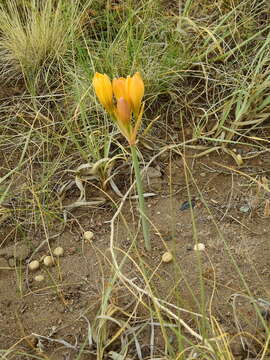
59,251
39,278
199,247
88,235
48,261
167,257
245,209
188,204
33,265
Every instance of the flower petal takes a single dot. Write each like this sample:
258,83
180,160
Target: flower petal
103,88
135,91
118,86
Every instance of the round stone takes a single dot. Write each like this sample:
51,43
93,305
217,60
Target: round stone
39,278
167,257
88,235
48,261
199,247
59,251
33,265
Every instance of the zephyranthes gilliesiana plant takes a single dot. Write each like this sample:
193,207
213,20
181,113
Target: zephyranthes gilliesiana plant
122,98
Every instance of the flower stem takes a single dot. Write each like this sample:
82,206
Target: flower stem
142,207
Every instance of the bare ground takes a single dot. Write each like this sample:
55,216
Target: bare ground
231,220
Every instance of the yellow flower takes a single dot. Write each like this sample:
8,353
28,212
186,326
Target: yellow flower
127,93
118,86
135,92
103,88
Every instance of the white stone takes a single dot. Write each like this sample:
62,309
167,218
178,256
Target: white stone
39,278
33,265
48,261
58,251
199,247
167,257
88,235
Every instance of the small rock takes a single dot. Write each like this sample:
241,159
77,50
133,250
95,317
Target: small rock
189,247
39,278
48,261
33,265
59,251
88,235
188,204
199,247
245,209
167,257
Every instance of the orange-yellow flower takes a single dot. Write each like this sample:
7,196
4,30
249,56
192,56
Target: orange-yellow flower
103,88
135,91
127,94
119,88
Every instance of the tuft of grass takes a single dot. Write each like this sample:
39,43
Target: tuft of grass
36,38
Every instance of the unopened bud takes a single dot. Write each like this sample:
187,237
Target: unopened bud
123,111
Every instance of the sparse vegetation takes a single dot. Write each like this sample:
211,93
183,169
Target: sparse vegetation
65,170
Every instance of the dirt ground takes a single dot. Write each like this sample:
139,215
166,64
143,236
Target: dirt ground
231,219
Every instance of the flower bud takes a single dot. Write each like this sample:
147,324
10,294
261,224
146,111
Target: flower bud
123,111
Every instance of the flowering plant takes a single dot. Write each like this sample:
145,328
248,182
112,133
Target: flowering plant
122,98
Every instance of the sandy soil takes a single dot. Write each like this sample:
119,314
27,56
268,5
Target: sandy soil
230,216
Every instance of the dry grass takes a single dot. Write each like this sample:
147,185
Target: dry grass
37,38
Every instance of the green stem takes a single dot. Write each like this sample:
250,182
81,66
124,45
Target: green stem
142,207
